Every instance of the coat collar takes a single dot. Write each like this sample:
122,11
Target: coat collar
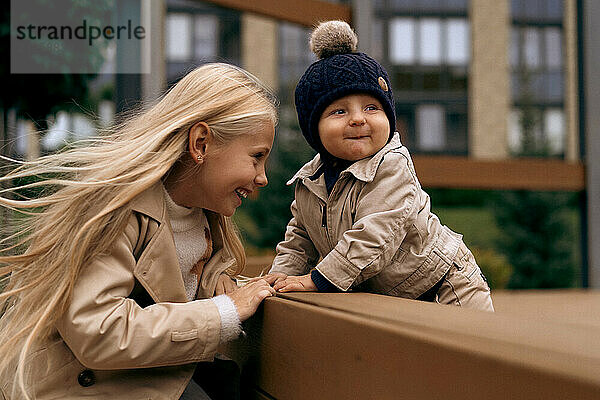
363,170
151,202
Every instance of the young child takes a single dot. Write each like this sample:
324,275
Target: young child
360,218
128,244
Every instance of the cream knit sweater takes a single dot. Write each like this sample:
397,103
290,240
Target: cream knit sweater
193,243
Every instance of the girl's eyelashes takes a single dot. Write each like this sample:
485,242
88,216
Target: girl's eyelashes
371,107
259,155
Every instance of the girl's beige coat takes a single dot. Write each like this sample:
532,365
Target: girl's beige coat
374,231
129,325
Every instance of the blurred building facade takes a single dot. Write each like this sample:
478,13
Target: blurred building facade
467,75
481,86
480,80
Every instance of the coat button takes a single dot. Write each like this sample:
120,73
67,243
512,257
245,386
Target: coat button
86,378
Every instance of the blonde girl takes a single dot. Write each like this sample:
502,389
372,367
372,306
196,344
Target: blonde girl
108,285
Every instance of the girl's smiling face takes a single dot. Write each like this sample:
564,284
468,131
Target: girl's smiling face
234,170
227,173
354,127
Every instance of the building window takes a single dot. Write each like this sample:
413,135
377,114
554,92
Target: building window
554,128
537,124
402,41
536,131
430,46
196,33
429,41
431,130
428,54
179,39
458,49
531,48
206,37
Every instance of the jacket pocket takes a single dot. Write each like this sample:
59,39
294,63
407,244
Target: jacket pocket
184,336
467,267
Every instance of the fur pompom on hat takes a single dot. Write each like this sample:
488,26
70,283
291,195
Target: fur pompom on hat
331,38
340,71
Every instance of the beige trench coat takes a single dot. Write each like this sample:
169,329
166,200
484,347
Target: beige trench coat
374,232
129,332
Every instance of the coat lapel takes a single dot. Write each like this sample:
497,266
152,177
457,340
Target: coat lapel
158,267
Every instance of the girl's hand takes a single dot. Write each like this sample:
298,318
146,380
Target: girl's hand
301,283
225,285
248,297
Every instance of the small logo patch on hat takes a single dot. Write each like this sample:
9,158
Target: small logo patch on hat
382,84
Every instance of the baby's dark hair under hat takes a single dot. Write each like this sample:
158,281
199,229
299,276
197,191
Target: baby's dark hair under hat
340,71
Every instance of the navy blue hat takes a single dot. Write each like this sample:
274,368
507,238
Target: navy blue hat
339,72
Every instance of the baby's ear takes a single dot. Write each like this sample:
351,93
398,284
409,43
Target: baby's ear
198,138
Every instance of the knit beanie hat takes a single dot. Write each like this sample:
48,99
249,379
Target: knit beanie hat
340,71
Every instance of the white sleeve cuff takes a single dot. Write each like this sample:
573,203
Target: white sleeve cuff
231,326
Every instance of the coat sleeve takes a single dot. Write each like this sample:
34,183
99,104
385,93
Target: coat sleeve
386,208
107,330
296,254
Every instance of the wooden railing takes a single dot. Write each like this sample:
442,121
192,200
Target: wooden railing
526,174
365,346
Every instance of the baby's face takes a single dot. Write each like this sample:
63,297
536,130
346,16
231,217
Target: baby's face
354,127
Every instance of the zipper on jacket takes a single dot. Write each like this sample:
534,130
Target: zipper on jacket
324,225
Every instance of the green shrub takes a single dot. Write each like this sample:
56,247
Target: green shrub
476,224
494,266
537,237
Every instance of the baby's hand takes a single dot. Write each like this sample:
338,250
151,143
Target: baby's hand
301,283
271,278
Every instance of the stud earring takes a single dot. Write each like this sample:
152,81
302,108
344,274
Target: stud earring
200,158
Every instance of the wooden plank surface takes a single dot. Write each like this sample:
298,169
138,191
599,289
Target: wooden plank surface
573,306
358,345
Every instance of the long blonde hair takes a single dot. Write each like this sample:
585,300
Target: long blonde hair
98,180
